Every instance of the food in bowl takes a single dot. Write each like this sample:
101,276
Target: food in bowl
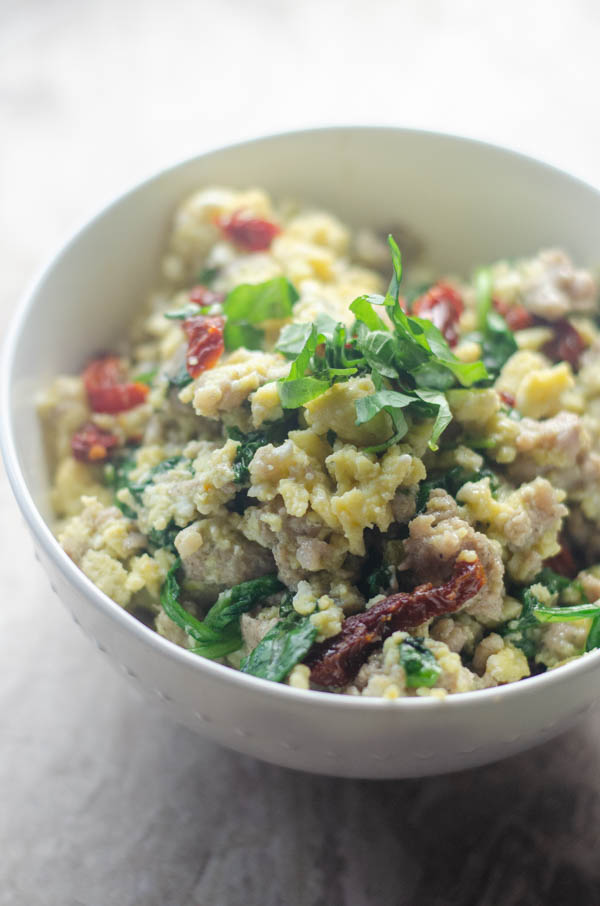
318,481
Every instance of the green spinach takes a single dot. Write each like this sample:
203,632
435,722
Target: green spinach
218,633
452,481
284,646
420,665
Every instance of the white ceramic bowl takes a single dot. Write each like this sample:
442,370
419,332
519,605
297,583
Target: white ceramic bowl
472,203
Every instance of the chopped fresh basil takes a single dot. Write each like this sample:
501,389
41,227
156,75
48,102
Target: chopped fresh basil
240,333
293,337
363,309
412,356
420,665
394,287
146,377
284,646
495,337
390,401
251,304
258,302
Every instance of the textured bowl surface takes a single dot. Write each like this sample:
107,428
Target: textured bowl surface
471,203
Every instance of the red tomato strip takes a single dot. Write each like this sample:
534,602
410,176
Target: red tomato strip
92,444
563,562
336,661
516,316
566,345
203,296
107,389
443,306
205,342
254,234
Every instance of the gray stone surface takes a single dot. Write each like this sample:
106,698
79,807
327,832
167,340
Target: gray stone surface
102,801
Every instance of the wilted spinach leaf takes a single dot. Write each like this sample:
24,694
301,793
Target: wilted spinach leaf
420,665
284,646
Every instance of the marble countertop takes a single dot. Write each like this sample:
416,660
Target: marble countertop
104,802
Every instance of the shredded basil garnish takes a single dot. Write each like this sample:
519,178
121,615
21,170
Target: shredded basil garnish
410,363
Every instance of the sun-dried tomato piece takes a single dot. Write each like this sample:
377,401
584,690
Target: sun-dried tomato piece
443,306
92,444
254,234
203,296
107,388
205,342
516,316
563,562
566,345
507,398
336,661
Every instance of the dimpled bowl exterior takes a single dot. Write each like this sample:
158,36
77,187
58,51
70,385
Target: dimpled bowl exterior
472,203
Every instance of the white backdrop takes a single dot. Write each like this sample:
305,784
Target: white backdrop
102,802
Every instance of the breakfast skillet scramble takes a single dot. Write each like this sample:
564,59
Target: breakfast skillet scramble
319,479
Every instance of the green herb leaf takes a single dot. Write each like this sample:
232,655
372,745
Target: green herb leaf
137,488
116,476
379,580
439,409
254,303
383,352
367,407
420,665
363,311
271,433
191,310
554,582
219,633
293,337
240,333
294,394
593,639
394,288
146,377
164,537
451,481
239,599
523,631
169,599
206,276
284,646
496,339
565,614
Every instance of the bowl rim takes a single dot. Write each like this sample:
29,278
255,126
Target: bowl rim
583,664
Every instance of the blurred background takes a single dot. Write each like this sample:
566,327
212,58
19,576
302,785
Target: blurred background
104,803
